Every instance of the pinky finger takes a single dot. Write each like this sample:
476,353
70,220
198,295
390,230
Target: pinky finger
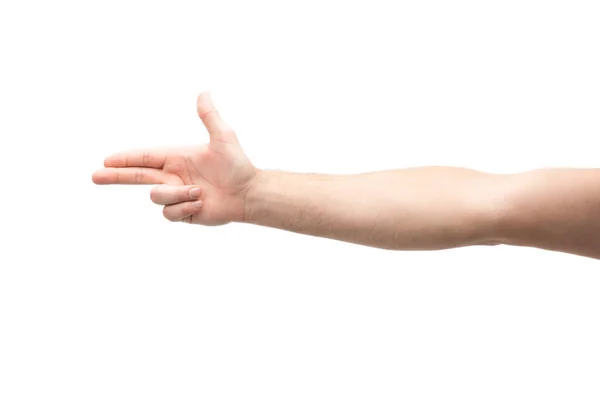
182,211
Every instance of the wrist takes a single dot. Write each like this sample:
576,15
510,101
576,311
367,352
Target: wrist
252,193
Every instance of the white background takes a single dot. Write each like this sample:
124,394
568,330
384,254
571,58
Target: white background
101,298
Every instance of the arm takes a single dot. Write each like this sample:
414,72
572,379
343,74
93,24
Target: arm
411,209
436,207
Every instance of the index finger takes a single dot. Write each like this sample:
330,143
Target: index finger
149,158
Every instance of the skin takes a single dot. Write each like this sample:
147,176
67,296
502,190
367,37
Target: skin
426,208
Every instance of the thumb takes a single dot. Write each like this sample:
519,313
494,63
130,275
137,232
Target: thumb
217,129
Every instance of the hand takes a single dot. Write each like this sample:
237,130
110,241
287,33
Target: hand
201,184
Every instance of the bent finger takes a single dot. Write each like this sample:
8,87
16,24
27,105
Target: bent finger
172,194
177,212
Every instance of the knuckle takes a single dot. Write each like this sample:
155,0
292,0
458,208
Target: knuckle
185,210
211,112
145,159
155,194
168,215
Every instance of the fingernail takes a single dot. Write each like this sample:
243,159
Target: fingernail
198,204
194,193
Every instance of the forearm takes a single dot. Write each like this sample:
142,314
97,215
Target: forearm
410,209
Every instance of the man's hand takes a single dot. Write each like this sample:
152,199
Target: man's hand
202,184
